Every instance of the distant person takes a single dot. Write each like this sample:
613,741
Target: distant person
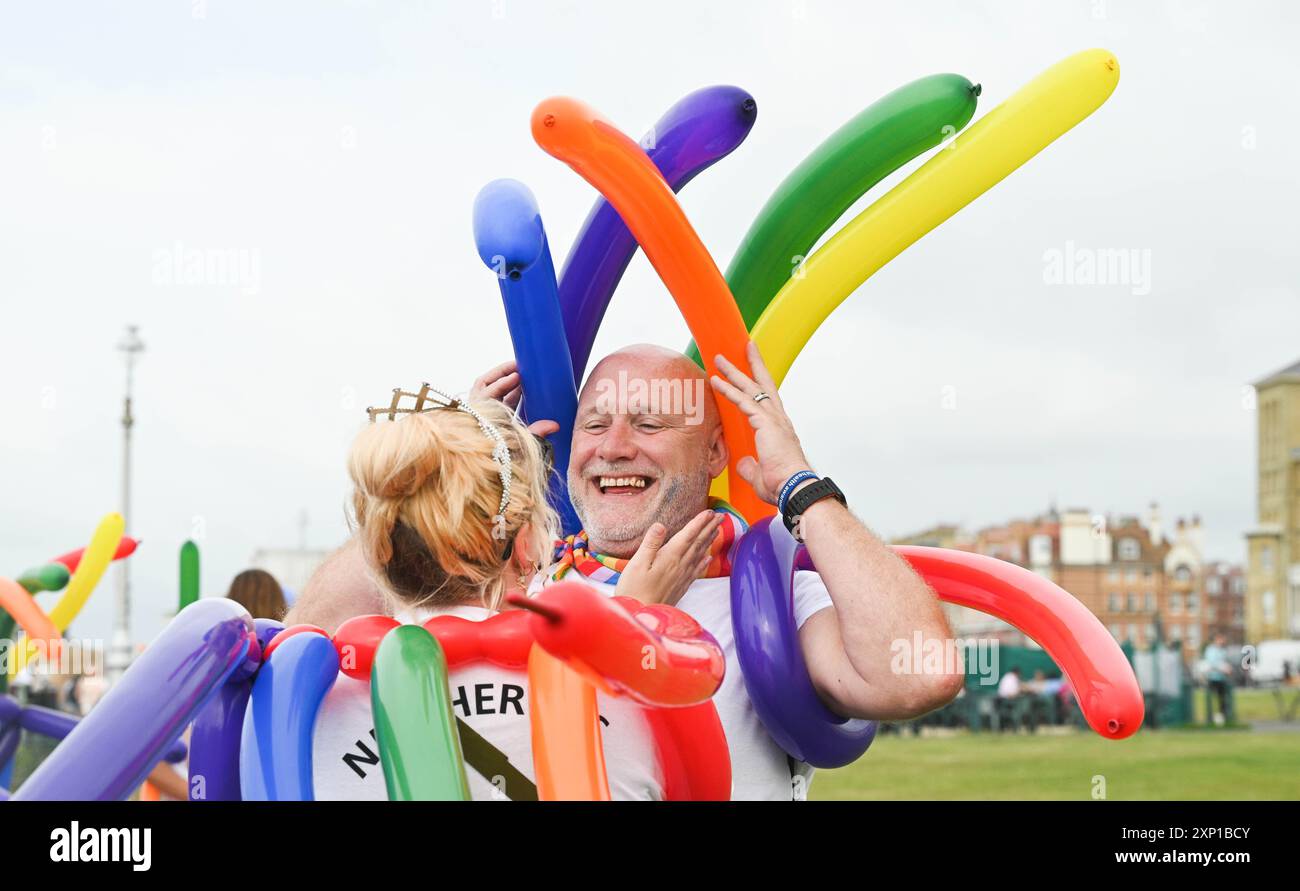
257,591
1219,674
1009,686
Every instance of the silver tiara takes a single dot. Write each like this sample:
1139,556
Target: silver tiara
432,399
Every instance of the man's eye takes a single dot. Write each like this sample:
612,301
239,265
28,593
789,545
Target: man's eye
650,426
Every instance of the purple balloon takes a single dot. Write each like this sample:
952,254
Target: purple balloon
771,659
10,709
275,761
218,730
214,744
10,734
266,629
111,750
700,130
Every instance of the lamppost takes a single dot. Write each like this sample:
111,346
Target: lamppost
119,655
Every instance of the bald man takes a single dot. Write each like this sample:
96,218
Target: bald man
647,444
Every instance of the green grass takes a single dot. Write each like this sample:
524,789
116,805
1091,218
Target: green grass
1167,764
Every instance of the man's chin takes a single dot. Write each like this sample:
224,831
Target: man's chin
616,536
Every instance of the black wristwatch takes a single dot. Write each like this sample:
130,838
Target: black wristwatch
806,497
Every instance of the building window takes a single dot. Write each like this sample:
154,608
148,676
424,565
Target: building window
1148,632
1214,584
1269,601
1175,602
1117,632
1151,602
1112,575
1194,636
1266,558
1132,603
1116,602
1131,576
1193,602
1133,632
1238,585
1182,574
1129,549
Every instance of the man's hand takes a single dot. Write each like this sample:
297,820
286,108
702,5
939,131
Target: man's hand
661,573
503,383
780,456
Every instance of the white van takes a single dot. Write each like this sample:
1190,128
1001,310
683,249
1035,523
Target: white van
1271,657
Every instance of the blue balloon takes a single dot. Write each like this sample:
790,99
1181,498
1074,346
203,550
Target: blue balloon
275,759
771,659
512,242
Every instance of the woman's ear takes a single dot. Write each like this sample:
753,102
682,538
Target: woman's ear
522,556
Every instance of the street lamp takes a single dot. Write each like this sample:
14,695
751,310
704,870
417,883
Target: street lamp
119,655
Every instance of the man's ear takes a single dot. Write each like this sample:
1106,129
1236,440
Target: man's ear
718,454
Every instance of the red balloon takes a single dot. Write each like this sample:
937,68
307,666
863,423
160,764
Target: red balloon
655,655
356,641
1105,686
691,746
503,639
125,548
288,633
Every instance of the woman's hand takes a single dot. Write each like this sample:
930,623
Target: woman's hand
503,383
661,573
780,456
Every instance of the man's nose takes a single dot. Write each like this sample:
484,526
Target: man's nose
618,443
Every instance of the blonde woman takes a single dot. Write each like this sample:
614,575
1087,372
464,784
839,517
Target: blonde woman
451,516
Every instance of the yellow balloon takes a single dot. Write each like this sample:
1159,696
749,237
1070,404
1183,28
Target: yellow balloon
719,488
94,561
970,165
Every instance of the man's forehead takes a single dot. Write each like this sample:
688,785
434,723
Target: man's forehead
641,366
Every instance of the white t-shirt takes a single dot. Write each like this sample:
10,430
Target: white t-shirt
1009,686
760,769
494,702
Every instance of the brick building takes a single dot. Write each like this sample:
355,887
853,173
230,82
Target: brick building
1129,571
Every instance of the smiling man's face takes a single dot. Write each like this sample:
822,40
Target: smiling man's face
646,445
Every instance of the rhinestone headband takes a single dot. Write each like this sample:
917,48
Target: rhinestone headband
430,399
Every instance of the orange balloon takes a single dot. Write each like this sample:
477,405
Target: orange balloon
616,166
568,757
15,600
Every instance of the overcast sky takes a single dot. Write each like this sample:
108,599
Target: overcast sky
337,149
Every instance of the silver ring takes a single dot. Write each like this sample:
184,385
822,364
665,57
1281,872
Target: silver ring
760,396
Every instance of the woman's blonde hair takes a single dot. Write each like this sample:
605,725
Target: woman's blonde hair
426,500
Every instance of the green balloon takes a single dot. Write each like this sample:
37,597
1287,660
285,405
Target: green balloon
877,141
50,577
189,574
419,745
